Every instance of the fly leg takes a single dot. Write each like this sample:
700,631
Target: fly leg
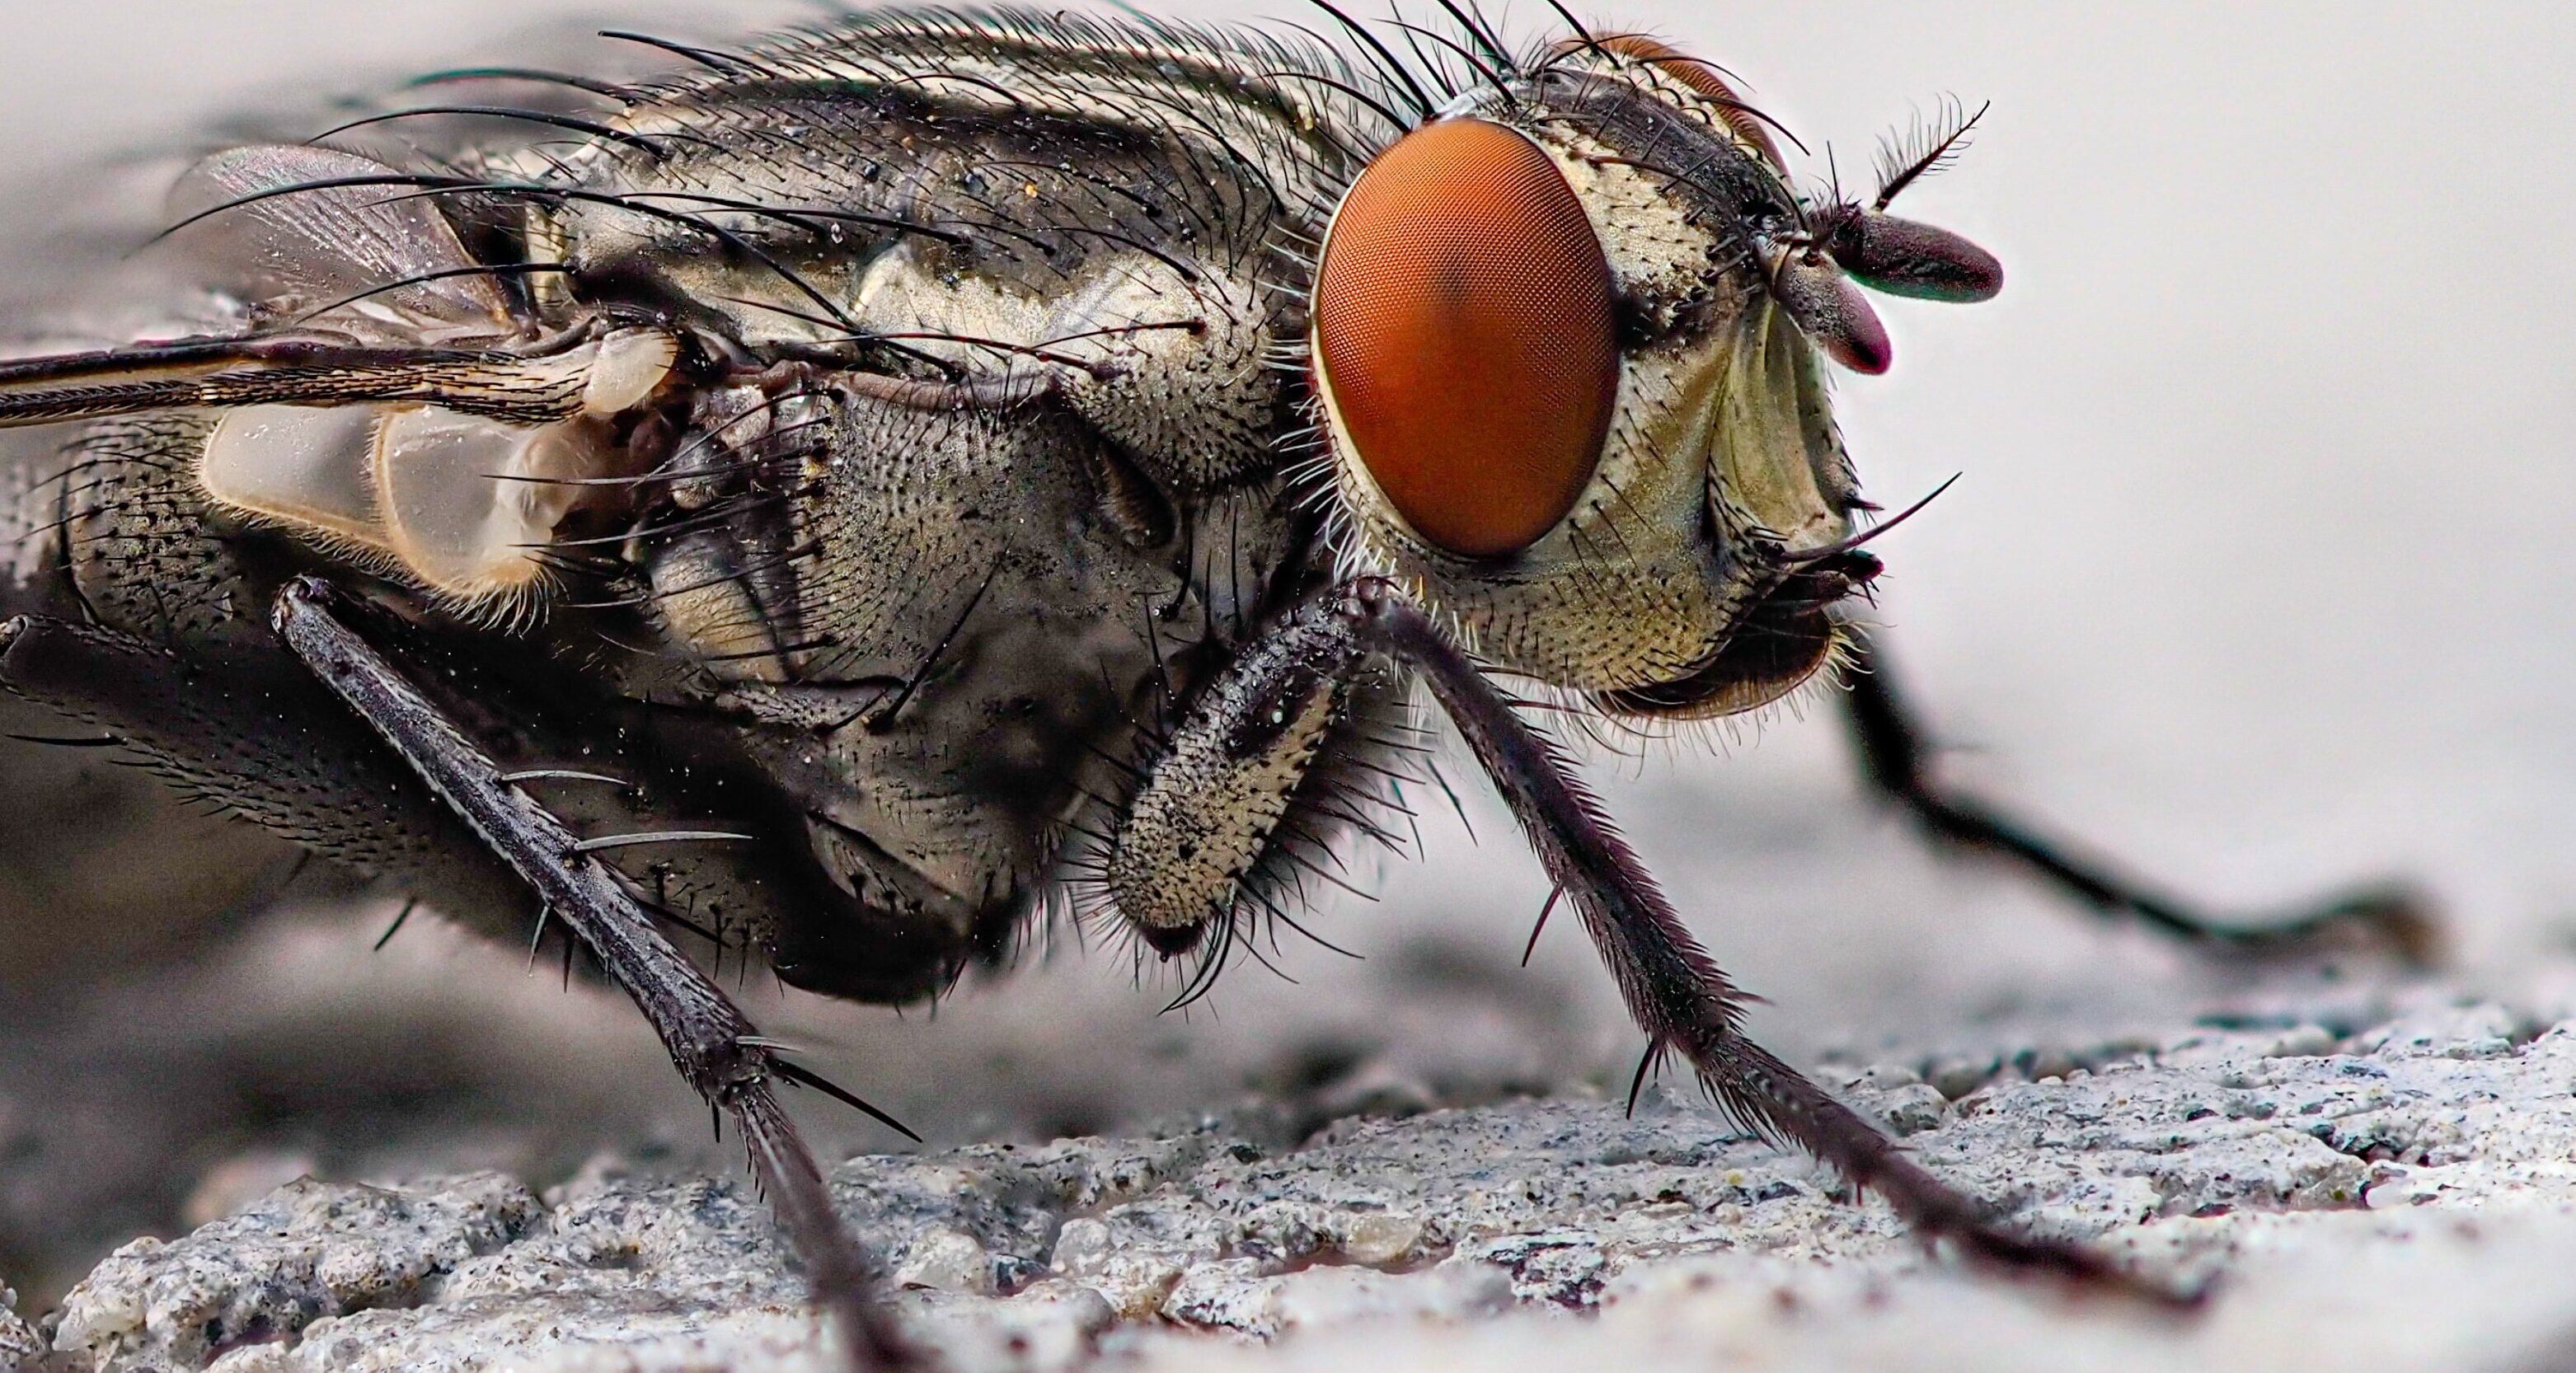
1254,728
1896,758
714,1046
1676,992
249,728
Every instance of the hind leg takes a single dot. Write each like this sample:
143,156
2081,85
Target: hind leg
714,1046
328,746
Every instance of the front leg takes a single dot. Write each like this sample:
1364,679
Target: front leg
1896,759
1198,823
1230,810
714,1046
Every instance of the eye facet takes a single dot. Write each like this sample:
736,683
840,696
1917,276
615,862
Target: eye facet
1464,337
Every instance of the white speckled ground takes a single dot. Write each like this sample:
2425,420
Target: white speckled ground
2304,1173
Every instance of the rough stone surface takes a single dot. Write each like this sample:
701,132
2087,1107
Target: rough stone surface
2291,1165
19,1344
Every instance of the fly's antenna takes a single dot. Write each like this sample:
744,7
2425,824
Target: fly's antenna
1925,151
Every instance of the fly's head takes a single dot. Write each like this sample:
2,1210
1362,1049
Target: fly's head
1569,342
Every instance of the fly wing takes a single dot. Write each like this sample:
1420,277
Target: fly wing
557,381
335,241
387,402
456,467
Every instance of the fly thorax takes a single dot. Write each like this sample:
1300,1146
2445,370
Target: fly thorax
1168,357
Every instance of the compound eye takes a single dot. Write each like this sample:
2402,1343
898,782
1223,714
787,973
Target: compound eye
1464,337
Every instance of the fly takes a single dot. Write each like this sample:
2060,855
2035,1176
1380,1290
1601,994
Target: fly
847,497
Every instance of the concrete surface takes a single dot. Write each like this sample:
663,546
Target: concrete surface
2306,1173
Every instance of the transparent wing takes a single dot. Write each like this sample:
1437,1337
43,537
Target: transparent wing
377,262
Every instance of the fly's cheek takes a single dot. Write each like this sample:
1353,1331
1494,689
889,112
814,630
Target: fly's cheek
1464,337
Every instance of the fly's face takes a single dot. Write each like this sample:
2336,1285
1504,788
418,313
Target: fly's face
1569,342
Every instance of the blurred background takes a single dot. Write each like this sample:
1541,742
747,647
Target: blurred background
2250,582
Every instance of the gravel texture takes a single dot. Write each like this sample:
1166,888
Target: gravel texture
2298,1167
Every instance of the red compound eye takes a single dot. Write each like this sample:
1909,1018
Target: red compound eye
1463,335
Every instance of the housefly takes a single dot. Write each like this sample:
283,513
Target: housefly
835,500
